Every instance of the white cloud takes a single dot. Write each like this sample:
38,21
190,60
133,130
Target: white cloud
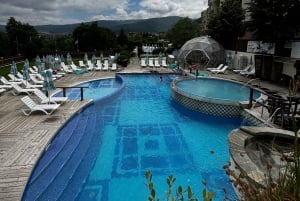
40,12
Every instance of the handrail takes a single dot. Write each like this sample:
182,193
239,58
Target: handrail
64,89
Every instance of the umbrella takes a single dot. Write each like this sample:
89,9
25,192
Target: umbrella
25,72
62,59
48,83
160,58
41,68
101,56
85,58
37,60
13,68
52,62
69,59
94,59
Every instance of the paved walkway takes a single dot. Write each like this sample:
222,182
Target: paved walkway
23,138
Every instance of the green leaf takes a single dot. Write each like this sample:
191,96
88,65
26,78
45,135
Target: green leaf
179,190
151,186
190,192
153,193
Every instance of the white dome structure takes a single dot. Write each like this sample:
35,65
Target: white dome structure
202,52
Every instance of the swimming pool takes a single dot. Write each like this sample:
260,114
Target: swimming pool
103,152
216,89
213,96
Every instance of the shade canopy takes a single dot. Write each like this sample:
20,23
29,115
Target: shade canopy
203,52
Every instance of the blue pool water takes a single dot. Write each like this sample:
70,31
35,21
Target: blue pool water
102,153
217,89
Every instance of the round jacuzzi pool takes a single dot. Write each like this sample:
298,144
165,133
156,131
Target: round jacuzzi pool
212,95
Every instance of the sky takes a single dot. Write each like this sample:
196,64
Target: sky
45,12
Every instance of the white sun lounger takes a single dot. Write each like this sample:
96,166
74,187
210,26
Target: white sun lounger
2,90
218,68
51,99
14,78
222,70
6,82
35,80
16,90
33,106
246,69
114,67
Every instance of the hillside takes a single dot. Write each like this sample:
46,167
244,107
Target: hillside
143,25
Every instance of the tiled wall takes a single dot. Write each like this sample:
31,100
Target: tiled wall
215,108
207,107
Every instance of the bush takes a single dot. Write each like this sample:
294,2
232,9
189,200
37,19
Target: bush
123,58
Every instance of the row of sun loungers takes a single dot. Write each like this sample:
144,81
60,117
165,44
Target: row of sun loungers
17,86
32,87
248,71
98,66
153,62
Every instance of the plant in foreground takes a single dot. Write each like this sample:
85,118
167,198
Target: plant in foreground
179,194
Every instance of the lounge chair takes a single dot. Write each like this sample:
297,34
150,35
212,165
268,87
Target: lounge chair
81,64
5,86
98,65
156,63
114,67
14,78
28,85
77,70
33,106
16,90
2,90
51,99
31,70
248,73
6,82
218,68
143,62
35,80
65,68
222,70
151,63
90,65
164,63
105,66
247,68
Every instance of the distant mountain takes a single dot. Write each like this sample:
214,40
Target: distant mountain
143,25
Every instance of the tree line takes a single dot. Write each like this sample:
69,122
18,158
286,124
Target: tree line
270,21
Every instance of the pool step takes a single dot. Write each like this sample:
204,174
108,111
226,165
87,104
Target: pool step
61,180
65,176
73,188
58,143
51,171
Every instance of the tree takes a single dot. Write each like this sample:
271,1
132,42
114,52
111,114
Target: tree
91,37
184,30
226,22
274,20
4,44
23,37
122,38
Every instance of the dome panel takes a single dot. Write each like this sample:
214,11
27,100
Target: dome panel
212,54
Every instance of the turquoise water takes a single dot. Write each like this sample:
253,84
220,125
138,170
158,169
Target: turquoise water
216,89
103,152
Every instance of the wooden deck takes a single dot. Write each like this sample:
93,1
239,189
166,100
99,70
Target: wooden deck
23,138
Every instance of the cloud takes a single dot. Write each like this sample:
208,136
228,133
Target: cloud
37,12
